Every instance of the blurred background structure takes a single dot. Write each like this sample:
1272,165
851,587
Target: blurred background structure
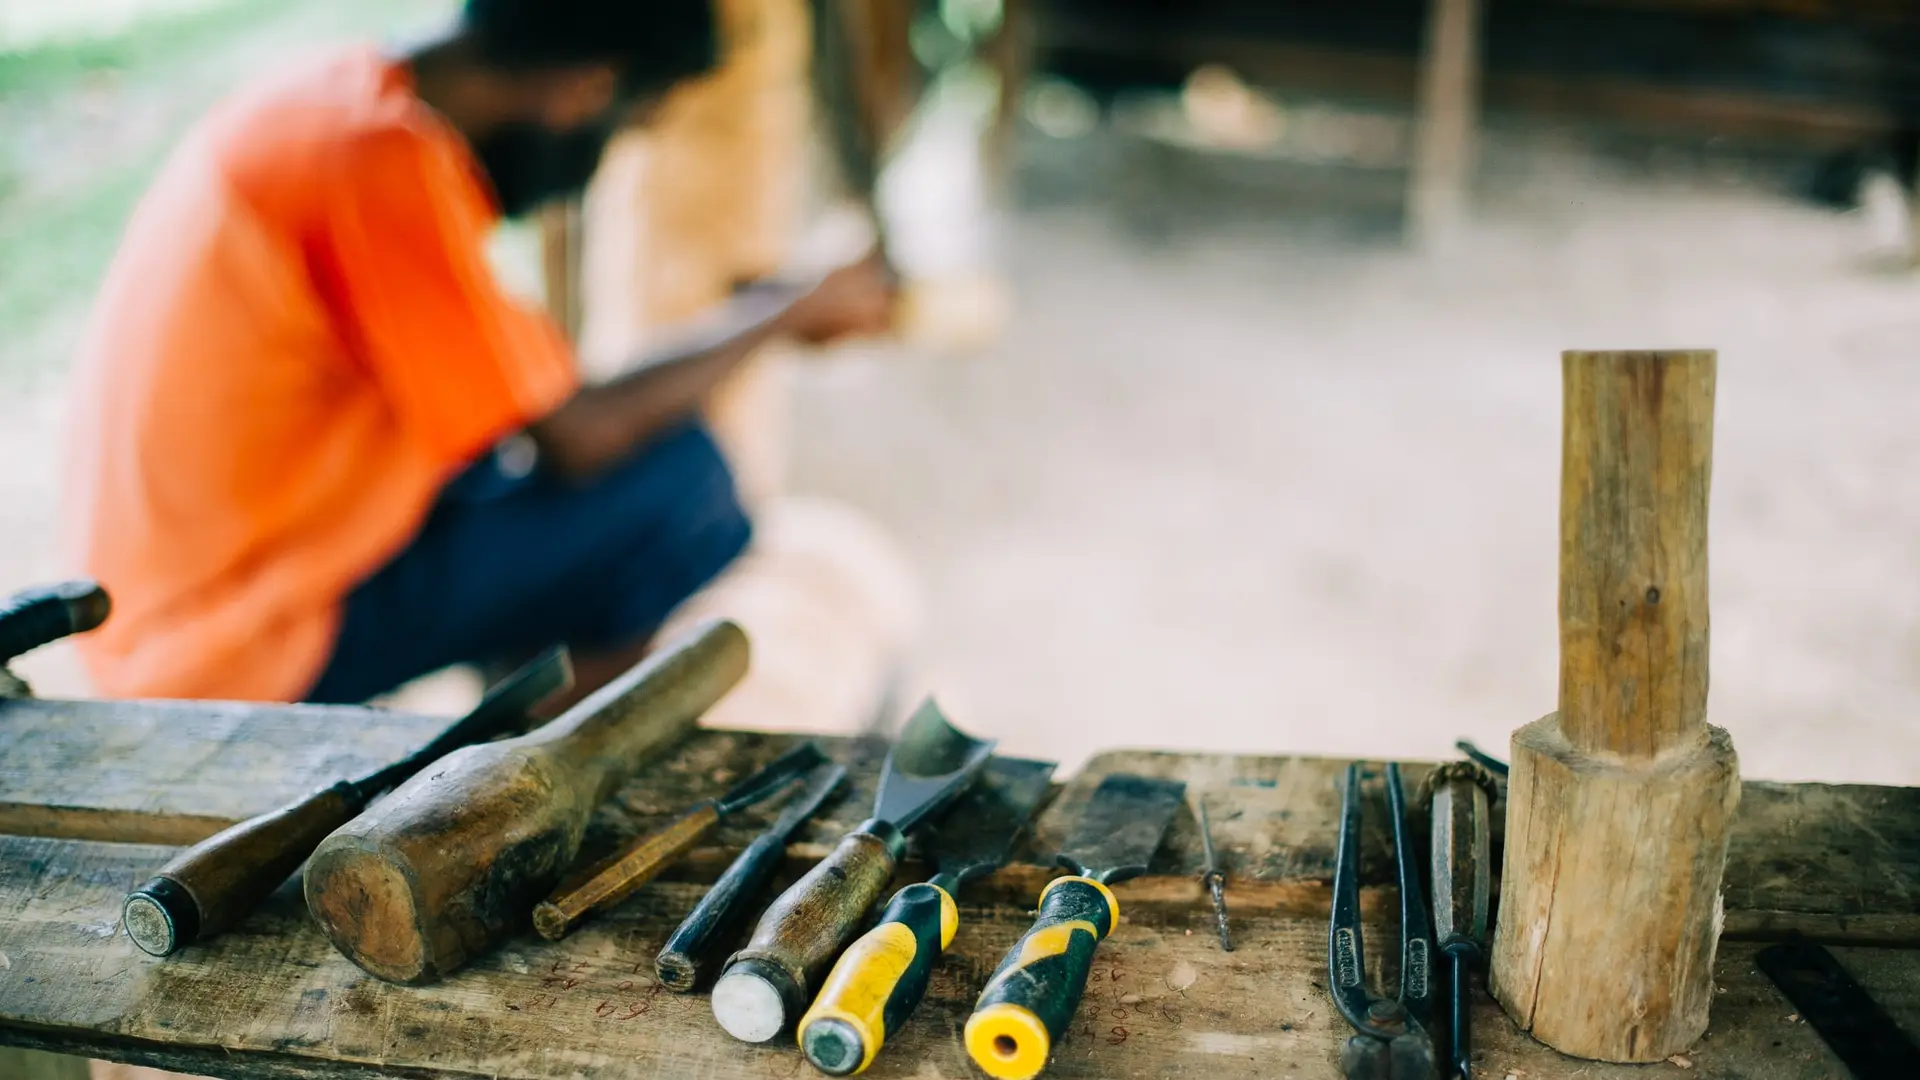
1254,443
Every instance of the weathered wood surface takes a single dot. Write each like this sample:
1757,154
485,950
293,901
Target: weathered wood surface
272,1000
1838,862
177,772
1621,803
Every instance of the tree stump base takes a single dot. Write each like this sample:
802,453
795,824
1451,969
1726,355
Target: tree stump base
1611,893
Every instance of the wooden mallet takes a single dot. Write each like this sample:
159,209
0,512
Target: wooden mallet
1618,804
457,856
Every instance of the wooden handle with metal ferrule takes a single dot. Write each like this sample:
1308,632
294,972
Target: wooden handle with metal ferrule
619,876
1033,994
767,985
213,884
878,982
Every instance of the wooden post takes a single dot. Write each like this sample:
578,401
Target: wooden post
560,264
1618,804
1449,119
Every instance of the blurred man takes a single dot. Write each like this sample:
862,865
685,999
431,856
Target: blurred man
299,355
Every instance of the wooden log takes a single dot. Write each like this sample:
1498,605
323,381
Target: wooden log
1619,804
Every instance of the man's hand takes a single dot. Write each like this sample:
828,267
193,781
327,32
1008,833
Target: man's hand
853,301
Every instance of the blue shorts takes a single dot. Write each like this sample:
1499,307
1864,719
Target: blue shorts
505,567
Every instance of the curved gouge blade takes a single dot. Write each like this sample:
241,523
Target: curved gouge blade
930,764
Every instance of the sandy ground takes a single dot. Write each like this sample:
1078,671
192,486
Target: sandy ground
1258,492
1277,486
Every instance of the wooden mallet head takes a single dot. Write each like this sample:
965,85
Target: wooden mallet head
457,856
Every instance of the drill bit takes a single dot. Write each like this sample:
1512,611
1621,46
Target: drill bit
1215,880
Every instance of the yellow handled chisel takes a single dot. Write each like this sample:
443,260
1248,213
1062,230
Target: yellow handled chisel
880,979
1032,995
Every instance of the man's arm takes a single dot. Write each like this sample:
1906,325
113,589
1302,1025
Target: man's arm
603,425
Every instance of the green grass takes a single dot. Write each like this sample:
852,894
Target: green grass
58,236
56,67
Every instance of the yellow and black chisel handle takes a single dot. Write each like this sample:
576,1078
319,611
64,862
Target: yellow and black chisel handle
1035,991
878,981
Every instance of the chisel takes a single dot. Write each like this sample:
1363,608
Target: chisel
1033,994
878,982
622,874
767,985
206,888
1462,851
687,954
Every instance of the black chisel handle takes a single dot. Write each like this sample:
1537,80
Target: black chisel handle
878,982
713,921
211,885
36,617
1035,991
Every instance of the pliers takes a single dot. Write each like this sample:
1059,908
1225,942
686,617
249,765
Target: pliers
1393,1040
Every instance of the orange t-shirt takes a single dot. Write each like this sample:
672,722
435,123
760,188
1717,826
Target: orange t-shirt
298,344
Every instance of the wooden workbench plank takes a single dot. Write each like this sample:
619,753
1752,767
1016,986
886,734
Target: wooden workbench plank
271,999
176,772
1840,863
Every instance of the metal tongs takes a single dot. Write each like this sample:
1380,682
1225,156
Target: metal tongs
1392,1040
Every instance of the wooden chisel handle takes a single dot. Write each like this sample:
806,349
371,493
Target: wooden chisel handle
767,985
878,982
206,888
621,875
1033,994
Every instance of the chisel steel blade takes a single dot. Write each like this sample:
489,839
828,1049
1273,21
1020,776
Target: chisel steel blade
1121,827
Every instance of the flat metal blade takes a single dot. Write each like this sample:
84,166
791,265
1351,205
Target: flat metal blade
502,711
777,774
821,783
978,833
1122,827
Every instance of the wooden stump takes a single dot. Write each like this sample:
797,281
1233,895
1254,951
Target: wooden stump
1618,804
